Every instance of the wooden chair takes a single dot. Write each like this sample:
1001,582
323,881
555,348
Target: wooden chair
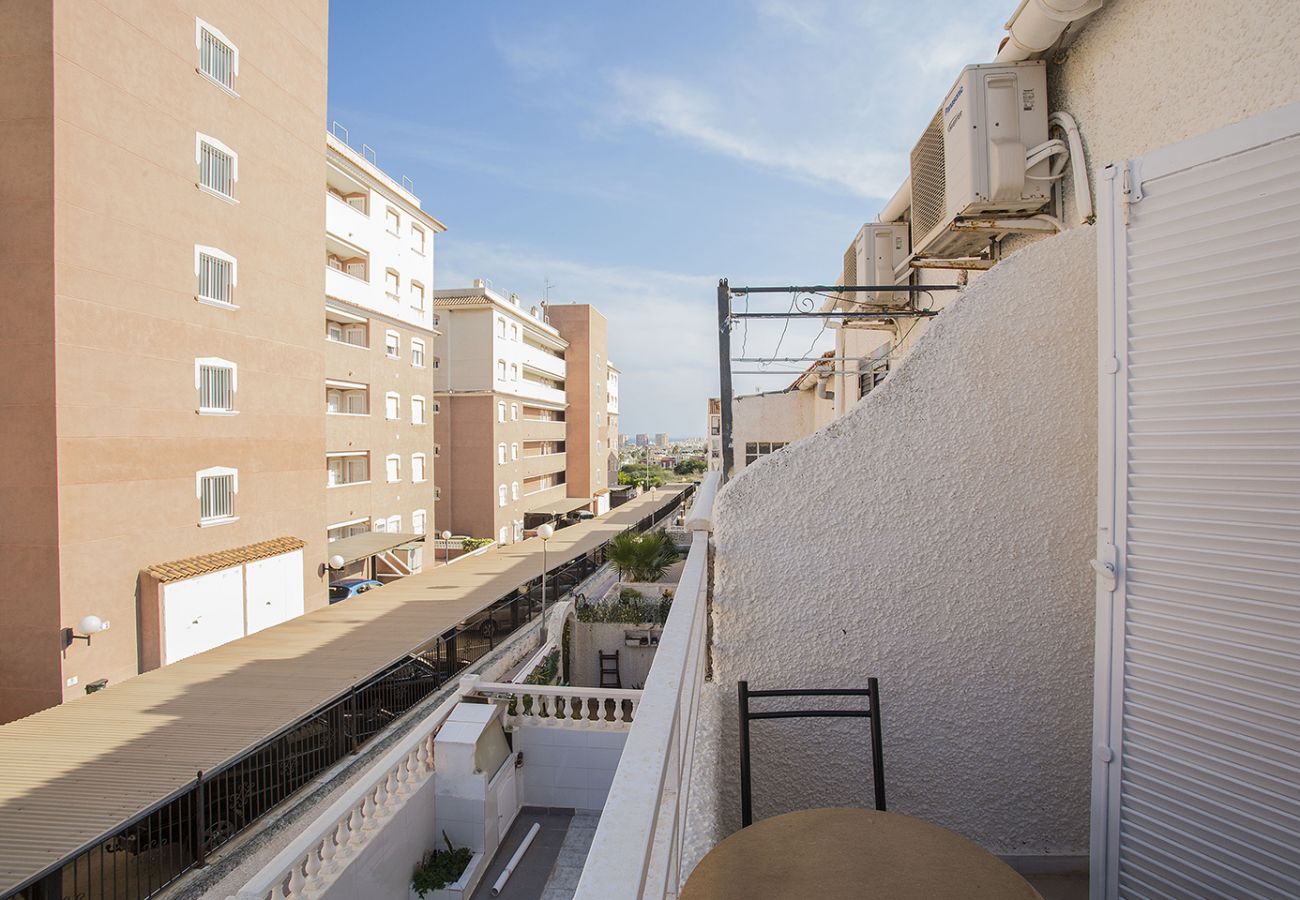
871,692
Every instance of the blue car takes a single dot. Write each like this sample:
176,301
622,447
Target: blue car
350,587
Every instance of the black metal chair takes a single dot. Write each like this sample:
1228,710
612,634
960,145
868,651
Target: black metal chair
871,692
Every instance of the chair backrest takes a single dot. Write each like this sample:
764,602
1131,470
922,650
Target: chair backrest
871,692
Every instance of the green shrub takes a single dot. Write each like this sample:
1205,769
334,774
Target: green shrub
469,545
644,611
630,595
440,868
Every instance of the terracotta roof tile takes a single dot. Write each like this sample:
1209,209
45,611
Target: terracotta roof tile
223,559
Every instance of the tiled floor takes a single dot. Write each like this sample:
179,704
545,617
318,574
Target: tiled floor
1060,887
573,854
529,879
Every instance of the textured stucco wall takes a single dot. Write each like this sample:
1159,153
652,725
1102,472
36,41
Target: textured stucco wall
937,536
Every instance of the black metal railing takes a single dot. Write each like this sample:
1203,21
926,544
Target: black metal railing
175,834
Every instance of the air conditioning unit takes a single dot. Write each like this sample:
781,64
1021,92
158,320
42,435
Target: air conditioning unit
969,165
875,253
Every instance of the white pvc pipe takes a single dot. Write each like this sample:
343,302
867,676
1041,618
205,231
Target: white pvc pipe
1082,190
1038,24
897,204
514,860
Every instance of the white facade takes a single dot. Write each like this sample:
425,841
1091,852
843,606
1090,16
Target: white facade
370,217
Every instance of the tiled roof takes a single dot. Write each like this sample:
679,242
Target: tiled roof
223,559
463,300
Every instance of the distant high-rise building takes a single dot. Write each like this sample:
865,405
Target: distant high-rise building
662,439
643,440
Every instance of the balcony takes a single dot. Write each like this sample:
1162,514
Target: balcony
543,464
536,390
349,288
540,361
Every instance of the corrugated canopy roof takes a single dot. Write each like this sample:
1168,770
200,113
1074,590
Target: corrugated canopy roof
359,546
71,773
223,559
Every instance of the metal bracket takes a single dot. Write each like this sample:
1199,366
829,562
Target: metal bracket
1107,568
1131,182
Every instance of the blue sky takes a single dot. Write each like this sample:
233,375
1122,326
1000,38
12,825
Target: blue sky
634,153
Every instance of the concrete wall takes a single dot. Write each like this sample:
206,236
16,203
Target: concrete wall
774,416
567,767
956,572
590,639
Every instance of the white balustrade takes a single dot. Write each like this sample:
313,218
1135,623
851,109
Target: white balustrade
592,709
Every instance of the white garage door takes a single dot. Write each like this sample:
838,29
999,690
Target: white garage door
202,613
274,590
1197,774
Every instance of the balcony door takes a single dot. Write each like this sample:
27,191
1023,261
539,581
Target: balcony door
1196,788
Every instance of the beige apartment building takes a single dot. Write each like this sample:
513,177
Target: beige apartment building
380,359
501,391
162,367
590,434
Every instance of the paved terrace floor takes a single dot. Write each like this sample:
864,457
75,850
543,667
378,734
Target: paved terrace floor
72,772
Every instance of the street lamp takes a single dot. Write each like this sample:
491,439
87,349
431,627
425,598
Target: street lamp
545,533
446,546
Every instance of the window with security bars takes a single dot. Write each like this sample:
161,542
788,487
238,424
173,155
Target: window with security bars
216,387
216,278
755,449
217,58
216,495
216,169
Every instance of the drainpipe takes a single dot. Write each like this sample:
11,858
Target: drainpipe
1038,24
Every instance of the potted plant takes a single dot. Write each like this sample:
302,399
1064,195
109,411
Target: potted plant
443,874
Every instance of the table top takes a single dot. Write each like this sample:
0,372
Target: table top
837,854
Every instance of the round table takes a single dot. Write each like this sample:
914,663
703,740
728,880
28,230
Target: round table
837,854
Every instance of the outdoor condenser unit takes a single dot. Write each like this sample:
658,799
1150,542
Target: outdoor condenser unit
970,162
875,253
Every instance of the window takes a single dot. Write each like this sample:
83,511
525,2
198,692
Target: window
437,362
392,344
501,411
392,405
755,449
501,454
871,375
347,529
393,220
417,467
514,332
514,372
394,524
218,57
417,353
347,468
216,489
216,274
417,410
344,399
501,327
381,525
501,495
417,239
501,370
417,296
218,166
392,283
514,490
514,412
417,521
514,451
341,332
503,537
216,382
393,468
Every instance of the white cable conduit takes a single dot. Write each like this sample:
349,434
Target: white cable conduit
1038,24
514,860
898,204
1082,189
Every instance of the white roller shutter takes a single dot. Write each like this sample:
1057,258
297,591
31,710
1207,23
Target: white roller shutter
1197,771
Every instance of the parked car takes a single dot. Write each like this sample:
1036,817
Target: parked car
351,587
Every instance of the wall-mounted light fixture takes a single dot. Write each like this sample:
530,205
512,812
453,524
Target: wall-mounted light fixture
87,626
333,564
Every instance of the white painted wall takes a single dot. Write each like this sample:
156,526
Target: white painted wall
590,639
567,767
937,537
775,416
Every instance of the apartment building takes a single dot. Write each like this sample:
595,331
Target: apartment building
162,363
590,435
380,360
501,391
768,421
616,440
714,436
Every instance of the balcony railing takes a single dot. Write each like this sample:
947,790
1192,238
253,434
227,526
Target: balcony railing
637,850
587,708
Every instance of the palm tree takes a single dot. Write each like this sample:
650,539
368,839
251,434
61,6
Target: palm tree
642,557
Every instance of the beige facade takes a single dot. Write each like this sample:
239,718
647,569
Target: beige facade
105,147
502,392
590,434
380,359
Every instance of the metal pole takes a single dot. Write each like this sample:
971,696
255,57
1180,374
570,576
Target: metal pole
877,764
543,593
724,374
746,801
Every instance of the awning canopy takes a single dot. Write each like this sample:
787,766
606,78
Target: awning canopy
361,546
559,507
